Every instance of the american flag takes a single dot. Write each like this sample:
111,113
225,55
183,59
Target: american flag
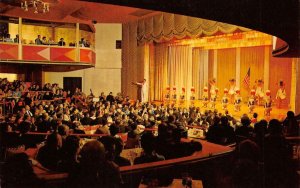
246,80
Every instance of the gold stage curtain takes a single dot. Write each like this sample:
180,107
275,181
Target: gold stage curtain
166,26
280,69
180,68
226,63
253,58
199,70
160,78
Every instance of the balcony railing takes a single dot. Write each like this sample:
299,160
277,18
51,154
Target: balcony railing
47,54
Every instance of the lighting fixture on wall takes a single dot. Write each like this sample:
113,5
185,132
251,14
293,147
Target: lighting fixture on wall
38,6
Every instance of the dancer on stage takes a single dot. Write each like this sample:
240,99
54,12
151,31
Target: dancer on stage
268,103
212,84
281,94
174,96
259,92
192,97
251,101
182,96
144,89
237,100
167,95
232,89
225,99
205,97
213,99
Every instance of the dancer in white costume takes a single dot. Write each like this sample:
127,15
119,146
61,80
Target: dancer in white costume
225,99
251,101
213,99
259,92
212,84
205,97
192,97
237,100
281,94
232,89
268,103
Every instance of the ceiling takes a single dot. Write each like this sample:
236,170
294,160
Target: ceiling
74,11
279,18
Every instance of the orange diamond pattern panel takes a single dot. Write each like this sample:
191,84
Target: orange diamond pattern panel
8,51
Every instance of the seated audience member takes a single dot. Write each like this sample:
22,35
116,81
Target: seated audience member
149,155
291,125
119,160
246,172
182,149
63,131
94,170
69,154
245,130
17,172
86,120
278,167
49,154
38,40
227,133
44,40
260,130
132,137
61,42
16,40
7,38
110,147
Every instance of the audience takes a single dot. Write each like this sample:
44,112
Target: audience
56,111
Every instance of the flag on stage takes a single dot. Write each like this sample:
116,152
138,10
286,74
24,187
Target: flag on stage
246,80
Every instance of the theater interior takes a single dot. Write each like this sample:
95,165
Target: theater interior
110,93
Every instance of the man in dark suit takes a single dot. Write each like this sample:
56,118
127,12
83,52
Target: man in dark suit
110,98
61,42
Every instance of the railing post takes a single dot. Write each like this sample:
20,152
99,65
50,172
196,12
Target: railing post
77,43
20,50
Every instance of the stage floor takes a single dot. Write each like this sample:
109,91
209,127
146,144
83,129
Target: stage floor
277,113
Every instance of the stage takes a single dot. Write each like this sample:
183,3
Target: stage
277,113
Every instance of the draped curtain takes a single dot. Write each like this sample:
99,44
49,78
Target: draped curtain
199,70
180,69
160,71
281,69
166,26
225,68
253,58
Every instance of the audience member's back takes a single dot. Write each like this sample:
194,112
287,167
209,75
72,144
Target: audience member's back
291,125
17,172
94,170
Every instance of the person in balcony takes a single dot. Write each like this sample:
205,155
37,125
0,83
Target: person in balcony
38,40
61,42
44,40
7,38
83,43
16,40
